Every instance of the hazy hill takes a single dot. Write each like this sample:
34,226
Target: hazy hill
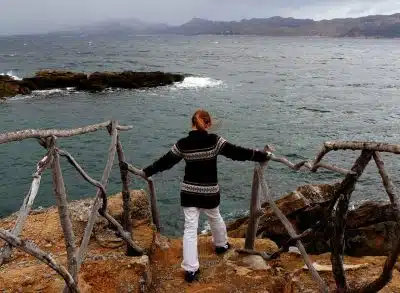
386,26
369,26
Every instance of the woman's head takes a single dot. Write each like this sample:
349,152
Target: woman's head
201,120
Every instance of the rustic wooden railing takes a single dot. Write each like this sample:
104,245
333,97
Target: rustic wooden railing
75,256
335,218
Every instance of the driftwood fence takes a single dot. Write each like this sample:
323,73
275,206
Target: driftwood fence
334,220
75,256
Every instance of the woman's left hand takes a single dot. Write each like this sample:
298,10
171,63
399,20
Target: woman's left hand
141,173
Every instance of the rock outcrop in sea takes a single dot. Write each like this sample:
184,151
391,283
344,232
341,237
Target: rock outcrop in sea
97,81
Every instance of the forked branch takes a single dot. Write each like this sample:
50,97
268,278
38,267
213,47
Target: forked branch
32,249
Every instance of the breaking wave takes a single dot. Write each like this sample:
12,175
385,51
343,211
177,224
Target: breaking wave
196,82
44,93
10,73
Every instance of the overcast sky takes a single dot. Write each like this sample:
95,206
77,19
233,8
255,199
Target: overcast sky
30,16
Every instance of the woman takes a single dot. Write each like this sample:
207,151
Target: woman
200,190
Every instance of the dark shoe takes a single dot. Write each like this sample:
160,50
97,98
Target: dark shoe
191,276
222,249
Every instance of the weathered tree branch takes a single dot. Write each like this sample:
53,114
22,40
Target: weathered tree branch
328,167
292,240
43,133
308,165
391,260
154,209
354,145
135,250
66,224
134,170
254,217
32,249
363,145
5,252
126,197
291,231
103,211
153,198
339,219
73,162
96,203
387,182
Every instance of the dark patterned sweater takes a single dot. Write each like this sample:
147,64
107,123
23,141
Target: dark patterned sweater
200,150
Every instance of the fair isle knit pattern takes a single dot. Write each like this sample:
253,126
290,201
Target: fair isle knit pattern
200,150
192,188
200,154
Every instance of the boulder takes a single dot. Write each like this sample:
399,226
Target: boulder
304,198
10,87
377,239
370,229
140,214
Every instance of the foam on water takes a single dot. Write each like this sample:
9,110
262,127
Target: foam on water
43,93
10,73
196,82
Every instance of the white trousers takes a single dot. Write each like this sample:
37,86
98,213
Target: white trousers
218,229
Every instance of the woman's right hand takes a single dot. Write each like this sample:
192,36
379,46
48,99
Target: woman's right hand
269,148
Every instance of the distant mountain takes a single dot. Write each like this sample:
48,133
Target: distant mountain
125,26
387,26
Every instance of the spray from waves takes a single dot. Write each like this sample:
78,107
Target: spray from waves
10,73
197,82
44,94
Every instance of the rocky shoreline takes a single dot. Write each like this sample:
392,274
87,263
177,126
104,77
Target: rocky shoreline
94,82
107,269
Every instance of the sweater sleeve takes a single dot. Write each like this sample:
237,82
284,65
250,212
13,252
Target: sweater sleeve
239,153
170,159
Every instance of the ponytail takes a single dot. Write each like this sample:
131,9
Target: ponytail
201,120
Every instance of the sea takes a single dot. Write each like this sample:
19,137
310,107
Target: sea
293,93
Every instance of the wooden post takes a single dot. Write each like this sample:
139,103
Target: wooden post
5,252
339,221
32,249
153,198
391,260
254,217
126,197
290,230
96,203
66,224
154,209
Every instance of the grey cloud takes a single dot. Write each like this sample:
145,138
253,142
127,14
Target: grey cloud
26,16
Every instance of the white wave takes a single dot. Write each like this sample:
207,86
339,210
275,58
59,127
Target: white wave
10,73
44,93
50,92
195,82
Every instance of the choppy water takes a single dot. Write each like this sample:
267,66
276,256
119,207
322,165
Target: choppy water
293,93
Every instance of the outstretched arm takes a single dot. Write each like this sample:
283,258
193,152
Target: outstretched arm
239,153
166,162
